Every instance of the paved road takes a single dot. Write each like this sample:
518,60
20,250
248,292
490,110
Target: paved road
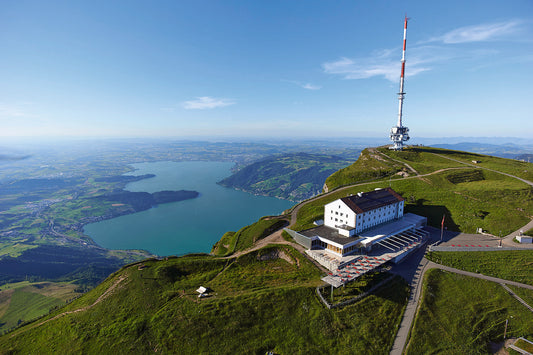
508,240
410,309
481,167
296,209
416,265
432,265
414,273
416,286
414,268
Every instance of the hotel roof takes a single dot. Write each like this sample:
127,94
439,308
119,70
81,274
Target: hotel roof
328,233
371,200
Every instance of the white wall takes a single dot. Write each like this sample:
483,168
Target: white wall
337,213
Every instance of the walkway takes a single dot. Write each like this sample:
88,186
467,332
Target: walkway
102,297
508,240
414,267
416,285
517,297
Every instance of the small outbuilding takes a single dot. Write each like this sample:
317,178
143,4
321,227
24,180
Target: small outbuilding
524,239
203,291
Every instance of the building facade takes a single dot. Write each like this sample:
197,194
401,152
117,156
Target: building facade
353,214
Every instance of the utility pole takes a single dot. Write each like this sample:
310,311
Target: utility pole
505,331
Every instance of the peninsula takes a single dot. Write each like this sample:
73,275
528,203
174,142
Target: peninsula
260,288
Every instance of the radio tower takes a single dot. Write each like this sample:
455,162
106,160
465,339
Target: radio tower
400,134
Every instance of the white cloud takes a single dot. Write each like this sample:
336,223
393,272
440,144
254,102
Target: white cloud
307,86
422,56
381,65
478,33
206,102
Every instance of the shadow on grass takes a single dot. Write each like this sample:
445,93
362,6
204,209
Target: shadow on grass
445,152
434,215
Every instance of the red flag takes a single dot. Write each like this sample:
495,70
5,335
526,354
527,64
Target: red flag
442,223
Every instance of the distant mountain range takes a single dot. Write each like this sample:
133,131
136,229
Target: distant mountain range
509,151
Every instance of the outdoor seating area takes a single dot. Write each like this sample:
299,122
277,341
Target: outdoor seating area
353,270
403,243
330,261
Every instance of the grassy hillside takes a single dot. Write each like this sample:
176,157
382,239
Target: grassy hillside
26,301
370,165
245,237
376,163
461,315
469,197
262,301
516,265
292,176
266,300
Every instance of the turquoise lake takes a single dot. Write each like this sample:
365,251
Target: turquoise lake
188,226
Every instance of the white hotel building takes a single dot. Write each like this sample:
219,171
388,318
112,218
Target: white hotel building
353,214
356,223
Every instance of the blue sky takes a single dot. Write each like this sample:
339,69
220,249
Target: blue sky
264,68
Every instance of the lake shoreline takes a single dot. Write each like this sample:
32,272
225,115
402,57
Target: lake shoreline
191,226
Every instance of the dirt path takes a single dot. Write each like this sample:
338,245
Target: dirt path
374,150
276,238
296,209
507,240
102,297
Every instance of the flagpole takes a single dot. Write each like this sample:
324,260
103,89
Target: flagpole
442,228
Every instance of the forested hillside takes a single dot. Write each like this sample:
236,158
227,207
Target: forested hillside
290,176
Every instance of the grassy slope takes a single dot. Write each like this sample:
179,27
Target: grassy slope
30,301
525,294
369,166
258,303
170,319
424,160
470,198
460,315
245,237
467,205
516,265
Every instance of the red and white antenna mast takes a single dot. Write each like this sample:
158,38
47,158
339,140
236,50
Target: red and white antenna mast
399,133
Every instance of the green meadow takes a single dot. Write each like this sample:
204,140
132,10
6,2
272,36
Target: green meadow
262,301
513,265
24,301
245,237
497,203
462,315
